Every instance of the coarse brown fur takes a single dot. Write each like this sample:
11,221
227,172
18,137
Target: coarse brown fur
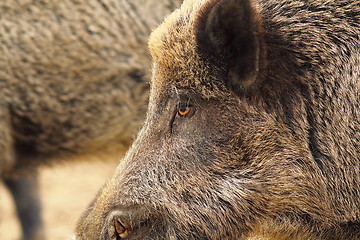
66,71
252,130
73,81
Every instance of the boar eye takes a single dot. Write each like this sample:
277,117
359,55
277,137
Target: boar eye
184,111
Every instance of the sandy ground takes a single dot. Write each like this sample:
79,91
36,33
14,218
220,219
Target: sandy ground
66,191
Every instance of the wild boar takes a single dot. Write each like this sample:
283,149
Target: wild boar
73,84
252,129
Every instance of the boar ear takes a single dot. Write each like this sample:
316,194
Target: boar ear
228,32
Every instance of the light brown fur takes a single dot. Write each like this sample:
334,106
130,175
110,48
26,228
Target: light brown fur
66,71
73,84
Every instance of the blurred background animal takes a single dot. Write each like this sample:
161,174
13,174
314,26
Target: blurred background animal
73,85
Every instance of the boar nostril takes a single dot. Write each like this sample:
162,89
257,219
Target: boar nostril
120,230
127,222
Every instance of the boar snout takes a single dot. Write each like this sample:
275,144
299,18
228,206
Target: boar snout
127,222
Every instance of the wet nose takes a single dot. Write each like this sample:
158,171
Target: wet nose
124,222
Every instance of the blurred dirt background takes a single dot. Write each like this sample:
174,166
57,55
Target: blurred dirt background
66,191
